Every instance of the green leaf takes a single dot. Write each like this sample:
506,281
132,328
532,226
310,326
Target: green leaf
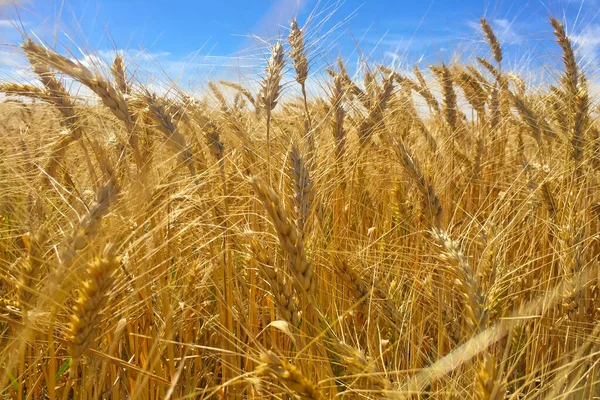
13,381
62,369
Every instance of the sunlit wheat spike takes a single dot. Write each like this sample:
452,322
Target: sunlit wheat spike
492,40
298,53
118,72
271,85
571,77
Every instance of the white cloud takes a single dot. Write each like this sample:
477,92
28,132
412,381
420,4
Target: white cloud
588,42
506,32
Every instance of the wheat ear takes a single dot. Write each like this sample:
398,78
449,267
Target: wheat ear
87,311
492,41
488,385
362,291
291,242
281,289
19,89
374,118
349,85
474,93
298,55
31,270
304,191
245,92
431,202
364,370
278,368
571,77
536,124
172,134
463,276
111,97
450,108
423,89
87,227
271,87
118,72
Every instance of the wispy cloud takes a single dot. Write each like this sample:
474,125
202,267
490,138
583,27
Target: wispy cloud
505,30
279,14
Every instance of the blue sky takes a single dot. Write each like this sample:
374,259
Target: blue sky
190,38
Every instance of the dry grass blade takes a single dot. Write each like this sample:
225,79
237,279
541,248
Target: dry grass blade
337,122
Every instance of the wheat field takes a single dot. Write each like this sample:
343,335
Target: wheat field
423,235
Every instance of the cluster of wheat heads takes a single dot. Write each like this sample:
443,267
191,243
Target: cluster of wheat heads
253,245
